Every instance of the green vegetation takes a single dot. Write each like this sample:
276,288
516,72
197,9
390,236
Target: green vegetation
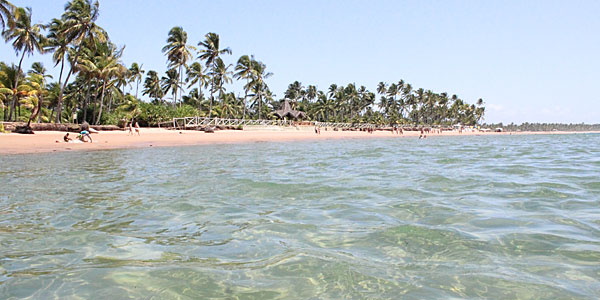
544,127
95,85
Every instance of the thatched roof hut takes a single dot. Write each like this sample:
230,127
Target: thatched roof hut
287,112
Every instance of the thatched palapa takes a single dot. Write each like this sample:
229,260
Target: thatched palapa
287,112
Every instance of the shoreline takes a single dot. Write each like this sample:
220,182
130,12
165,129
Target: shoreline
52,141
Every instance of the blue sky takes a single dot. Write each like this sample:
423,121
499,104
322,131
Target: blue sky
531,61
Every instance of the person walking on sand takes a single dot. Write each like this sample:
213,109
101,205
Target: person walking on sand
130,125
137,128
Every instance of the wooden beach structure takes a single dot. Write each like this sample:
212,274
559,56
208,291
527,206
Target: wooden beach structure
286,112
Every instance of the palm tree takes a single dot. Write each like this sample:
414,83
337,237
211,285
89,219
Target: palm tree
196,74
210,53
38,69
244,71
6,14
26,39
294,92
170,82
178,53
221,76
259,86
79,25
152,86
105,64
135,74
56,42
35,90
7,79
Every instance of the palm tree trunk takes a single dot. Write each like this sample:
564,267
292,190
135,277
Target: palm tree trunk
199,97
101,103
86,100
245,96
62,87
110,99
14,101
137,85
176,88
259,103
36,110
211,99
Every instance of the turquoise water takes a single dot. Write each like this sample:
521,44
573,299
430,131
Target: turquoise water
510,217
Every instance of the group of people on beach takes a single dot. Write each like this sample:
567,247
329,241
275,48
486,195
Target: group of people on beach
83,137
131,126
397,130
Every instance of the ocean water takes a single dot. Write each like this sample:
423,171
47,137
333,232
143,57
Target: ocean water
507,217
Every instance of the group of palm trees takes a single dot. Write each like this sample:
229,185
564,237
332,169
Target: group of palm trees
209,72
102,88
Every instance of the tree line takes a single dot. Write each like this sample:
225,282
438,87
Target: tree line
544,126
96,86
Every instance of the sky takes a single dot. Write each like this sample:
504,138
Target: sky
530,61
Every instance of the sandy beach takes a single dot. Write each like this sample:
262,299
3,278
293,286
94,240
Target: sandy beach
52,141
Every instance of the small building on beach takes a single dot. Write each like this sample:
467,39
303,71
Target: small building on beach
286,112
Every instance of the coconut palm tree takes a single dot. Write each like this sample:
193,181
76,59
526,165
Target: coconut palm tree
57,43
79,25
153,86
294,92
222,77
196,74
244,71
259,86
34,91
170,82
178,53
210,53
310,92
7,78
6,14
26,38
103,63
135,74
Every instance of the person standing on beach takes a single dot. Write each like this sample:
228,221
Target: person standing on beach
130,125
137,128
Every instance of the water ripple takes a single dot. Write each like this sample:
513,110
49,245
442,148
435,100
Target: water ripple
510,217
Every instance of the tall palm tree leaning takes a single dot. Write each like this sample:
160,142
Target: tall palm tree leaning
244,71
221,75
79,25
210,53
56,42
170,82
37,76
259,75
178,53
152,86
195,74
26,39
135,74
6,14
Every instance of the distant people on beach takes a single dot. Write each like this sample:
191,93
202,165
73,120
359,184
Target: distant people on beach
137,128
66,138
130,125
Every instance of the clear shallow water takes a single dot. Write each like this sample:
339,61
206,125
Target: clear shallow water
513,217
